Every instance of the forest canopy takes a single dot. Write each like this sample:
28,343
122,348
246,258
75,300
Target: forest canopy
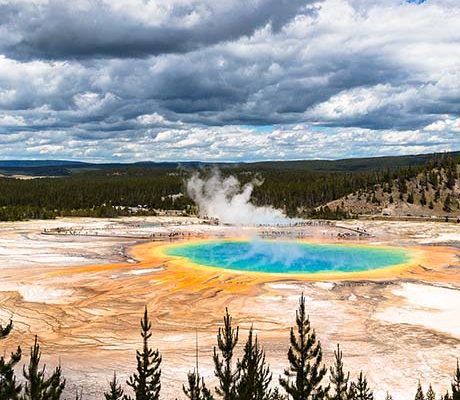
297,187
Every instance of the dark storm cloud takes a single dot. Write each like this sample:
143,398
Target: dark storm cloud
61,29
130,78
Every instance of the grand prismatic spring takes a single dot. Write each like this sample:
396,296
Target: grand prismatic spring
289,257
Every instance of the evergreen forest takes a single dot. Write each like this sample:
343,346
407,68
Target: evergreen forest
301,189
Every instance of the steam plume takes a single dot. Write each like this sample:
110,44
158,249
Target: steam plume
227,200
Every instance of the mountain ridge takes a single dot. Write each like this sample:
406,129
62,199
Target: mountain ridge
339,165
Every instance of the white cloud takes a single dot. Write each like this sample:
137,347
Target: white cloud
235,143
11,120
445,125
91,102
151,119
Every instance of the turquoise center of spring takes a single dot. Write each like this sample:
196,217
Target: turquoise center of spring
288,256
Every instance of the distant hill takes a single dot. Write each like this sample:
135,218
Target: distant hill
39,163
354,164
64,167
431,192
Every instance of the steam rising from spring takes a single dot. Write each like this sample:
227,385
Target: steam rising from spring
227,200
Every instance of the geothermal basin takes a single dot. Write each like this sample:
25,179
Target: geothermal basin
82,288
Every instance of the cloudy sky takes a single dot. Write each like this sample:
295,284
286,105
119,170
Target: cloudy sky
131,80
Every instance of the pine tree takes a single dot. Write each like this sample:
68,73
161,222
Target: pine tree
451,176
437,195
9,389
351,392
433,179
361,389
115,391
227,338
305,359
57,385
338,378
276,395
446,396
196,389
5,331
456,384
419,394
254,373
430,394
447,207
402,185
410,198
146,381
192,390
37,386
423,199
388,396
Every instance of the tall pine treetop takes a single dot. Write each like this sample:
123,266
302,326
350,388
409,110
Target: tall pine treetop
303,379
419,394
145,382
339,379
456,384
254,373
430,394
37,385
5,330
115,391
227,375
361,390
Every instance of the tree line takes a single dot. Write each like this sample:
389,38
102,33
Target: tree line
435,182
306,376
115,192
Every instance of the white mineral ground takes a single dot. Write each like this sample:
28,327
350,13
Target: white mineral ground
397,330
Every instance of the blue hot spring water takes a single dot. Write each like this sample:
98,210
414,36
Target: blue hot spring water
289,256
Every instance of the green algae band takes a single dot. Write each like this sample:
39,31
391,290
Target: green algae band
289,257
